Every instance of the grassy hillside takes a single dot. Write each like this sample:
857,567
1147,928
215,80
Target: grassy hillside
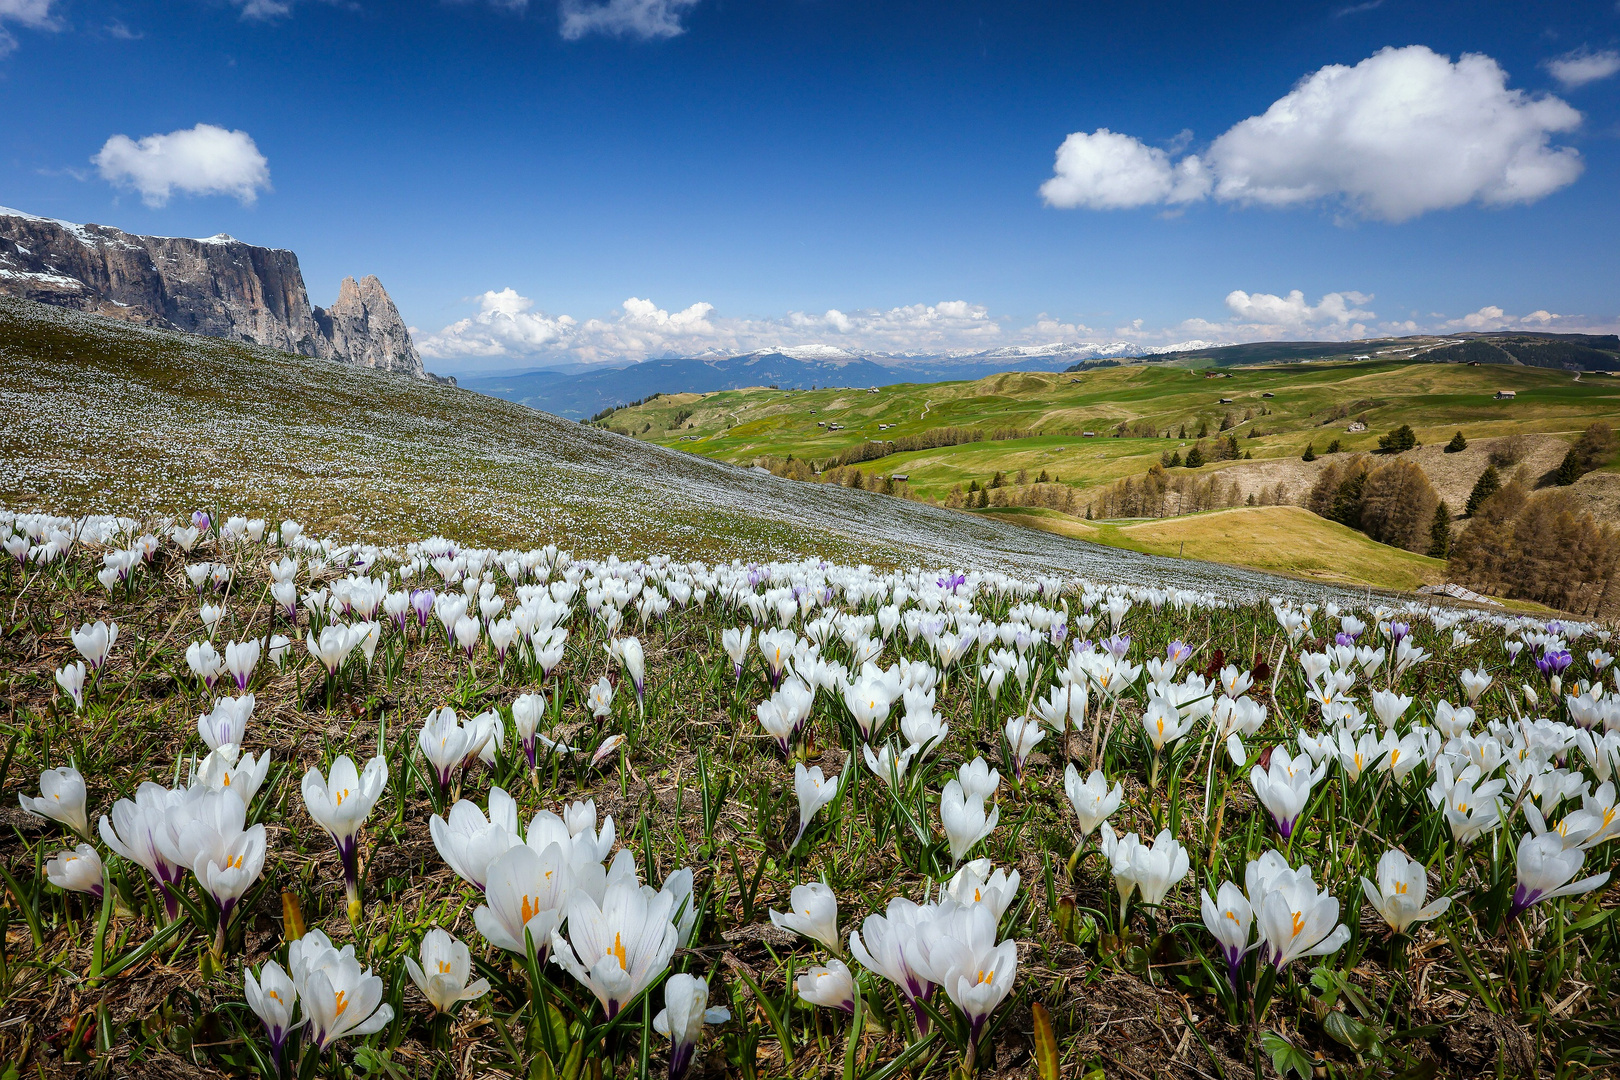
1285,539
102,416
1309,402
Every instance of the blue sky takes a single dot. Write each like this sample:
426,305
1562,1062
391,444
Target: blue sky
537,182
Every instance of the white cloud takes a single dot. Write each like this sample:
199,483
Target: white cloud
507,329
1402,133
34,14
645,19
1109,171
1492,317
204,160
506,325
1583,66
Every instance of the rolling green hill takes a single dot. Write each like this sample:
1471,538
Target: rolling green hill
1275,411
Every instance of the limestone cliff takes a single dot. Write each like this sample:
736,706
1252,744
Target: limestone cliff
220,287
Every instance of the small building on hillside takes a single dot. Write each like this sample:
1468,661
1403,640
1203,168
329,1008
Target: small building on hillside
900,477
1355,426
1506,395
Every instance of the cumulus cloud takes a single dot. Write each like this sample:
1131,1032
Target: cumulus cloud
1583,66
204,160
1402,133
508,328
1491,317
506,325
644,19
1337,316
34,14
1109,171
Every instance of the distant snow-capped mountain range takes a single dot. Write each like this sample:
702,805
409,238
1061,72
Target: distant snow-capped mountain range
581,393
1067,351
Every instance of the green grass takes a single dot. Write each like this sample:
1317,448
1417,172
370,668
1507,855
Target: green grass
1436,399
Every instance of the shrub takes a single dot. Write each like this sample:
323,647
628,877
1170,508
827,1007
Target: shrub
1457,443
1398,441
1310,453
1508,452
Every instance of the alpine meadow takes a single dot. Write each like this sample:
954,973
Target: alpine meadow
871,541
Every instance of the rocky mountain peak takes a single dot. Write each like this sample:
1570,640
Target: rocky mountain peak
364,327
218,286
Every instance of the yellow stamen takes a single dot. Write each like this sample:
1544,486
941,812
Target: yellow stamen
1299,923
341,1004
618,951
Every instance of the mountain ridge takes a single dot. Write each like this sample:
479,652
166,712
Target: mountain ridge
217,286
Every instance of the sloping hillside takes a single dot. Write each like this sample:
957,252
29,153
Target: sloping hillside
108,417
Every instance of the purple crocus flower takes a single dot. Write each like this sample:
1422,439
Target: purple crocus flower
422,601
1399,630
1342,638
1118,645
1553,662
200,520
1177,652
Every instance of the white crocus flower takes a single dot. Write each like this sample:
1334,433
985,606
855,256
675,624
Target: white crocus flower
78,870
334,645
976,973
1092,799
445,743
469,842
225,770
964,819
814,791
61,798
888,765
525,897
831,986
241,657
980,882
272,997
1545,867
226,723
735,642
978,779
1295,920
1022,738
442,976
205,663
95,642
1285,788
134,831
1389,706
527,712
1402,887
71,679
600,698
1474,683
340,804
685,1011
339,998
1229,917
618,948
813,912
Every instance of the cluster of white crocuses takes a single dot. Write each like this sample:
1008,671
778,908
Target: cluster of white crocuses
950,943
551,892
